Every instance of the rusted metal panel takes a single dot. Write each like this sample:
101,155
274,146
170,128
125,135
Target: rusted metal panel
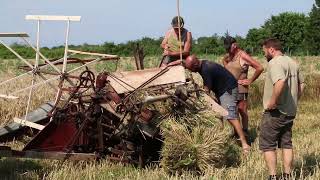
175,74
54,137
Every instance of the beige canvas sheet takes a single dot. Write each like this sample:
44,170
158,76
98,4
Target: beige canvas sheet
176,74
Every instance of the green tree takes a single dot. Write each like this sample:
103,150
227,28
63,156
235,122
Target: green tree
254,39
290,28
208,45
313,35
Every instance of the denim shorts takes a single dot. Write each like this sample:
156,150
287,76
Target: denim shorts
228,101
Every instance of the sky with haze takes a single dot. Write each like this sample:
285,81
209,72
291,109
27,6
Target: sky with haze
123,20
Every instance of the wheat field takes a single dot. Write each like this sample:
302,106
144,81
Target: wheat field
305,134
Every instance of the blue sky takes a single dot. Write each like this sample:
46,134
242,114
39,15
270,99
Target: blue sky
122,20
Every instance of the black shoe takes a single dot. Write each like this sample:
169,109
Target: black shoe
285,176
273,177
245,131
247,136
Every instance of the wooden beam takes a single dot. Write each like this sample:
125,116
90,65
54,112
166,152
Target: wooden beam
93,54
28,123
215,106
8,96
14,34
53,18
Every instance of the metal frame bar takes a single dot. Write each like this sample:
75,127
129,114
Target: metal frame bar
15,34
53,18
37,49
34,74
64,66
41,67
55,78
42,56
93,54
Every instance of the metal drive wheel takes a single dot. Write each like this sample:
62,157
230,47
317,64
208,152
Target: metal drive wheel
87,79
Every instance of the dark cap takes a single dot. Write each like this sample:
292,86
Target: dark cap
228,41
175,22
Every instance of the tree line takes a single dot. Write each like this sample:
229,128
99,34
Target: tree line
299,33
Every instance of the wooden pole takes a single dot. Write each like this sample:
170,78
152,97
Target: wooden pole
34,72
64,66
180,42
38,46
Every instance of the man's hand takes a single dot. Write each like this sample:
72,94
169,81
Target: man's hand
277,90
163,66
245,82
167,47
166,53
272,105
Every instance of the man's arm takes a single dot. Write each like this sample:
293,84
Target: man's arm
300,89
174,63
188,44
253,63
301,84
277,90
207,83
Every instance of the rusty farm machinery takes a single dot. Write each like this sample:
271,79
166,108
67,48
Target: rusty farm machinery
112,115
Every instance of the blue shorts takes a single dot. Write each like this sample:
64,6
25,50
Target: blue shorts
228,101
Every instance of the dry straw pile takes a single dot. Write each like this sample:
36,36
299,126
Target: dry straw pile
196,147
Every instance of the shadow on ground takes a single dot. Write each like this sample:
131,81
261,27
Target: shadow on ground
307,165
20,169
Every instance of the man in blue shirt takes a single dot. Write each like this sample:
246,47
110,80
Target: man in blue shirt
219,80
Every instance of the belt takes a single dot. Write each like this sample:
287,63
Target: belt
277,111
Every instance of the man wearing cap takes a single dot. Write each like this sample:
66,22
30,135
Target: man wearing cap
238,62
171,42
225,87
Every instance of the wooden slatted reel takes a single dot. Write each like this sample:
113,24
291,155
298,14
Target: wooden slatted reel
37,70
